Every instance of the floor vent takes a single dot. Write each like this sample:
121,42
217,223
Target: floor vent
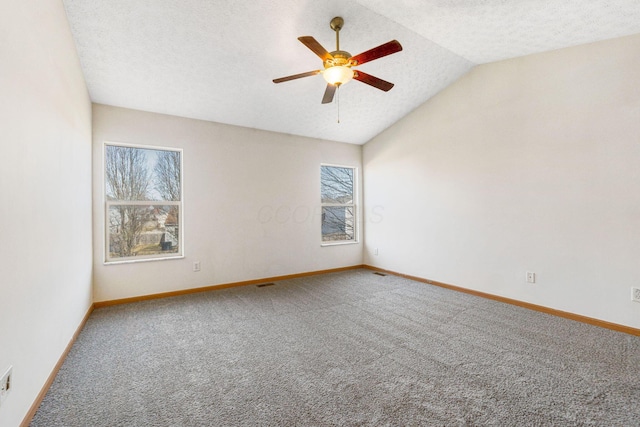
262,285
379,274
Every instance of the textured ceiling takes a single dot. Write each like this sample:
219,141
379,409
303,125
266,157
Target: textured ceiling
215,59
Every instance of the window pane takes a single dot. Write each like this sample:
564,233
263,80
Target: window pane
337,223
142,230
336,184
136,174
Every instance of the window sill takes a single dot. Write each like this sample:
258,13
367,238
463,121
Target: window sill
350,242
132,261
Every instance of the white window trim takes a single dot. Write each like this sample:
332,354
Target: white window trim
106,203
356,224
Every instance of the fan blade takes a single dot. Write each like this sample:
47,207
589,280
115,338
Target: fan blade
296,76
316,47
328,94
377,52
373,81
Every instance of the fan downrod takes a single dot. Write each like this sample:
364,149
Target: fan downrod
340,57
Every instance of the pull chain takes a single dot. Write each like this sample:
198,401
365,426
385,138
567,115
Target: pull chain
338,101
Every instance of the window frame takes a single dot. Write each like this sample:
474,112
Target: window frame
353,205
107,259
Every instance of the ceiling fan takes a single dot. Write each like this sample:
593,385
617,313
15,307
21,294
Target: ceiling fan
338,65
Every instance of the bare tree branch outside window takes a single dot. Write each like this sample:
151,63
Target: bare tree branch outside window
167,184
167,175
143,201
338,207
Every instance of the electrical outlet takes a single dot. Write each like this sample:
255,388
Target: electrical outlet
196,266
531,277
635,294
5,384
375,251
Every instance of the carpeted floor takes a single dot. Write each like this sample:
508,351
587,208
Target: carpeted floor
350,348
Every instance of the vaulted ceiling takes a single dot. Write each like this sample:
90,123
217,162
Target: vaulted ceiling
215,59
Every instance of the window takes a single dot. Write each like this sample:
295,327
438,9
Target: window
143,192
337,191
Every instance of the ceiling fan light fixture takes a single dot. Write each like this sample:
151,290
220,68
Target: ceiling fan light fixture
338,75
337,64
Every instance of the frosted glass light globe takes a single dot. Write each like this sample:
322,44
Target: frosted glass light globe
338,75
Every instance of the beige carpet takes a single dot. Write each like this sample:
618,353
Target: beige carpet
350,348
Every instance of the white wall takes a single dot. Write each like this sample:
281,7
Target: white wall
251,203
530,164
45,186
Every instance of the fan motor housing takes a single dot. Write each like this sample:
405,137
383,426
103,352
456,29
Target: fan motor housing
340,57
